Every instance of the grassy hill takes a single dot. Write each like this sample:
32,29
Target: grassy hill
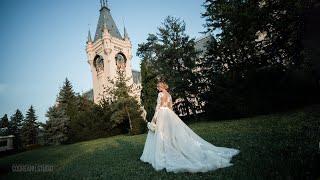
278,146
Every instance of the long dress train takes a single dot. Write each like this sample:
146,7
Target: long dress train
175,147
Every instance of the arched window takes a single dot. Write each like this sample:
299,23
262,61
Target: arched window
121,61
98,63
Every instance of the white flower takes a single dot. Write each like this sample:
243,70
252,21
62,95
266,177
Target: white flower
151,126
261,35
262,4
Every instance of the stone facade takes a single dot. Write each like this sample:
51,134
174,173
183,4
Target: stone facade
108,52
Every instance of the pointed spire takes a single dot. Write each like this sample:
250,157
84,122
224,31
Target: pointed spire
89,36
104,4
104,26
106,22
125,33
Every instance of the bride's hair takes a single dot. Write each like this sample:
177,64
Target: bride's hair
164,85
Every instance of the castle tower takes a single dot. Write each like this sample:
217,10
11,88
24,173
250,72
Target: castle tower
107,52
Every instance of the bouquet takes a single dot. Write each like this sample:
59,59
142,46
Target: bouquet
151,126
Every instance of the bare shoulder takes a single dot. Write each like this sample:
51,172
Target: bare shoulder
167,94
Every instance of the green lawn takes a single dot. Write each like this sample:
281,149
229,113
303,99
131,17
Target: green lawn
278,146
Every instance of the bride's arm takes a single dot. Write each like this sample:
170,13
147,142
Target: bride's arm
170,102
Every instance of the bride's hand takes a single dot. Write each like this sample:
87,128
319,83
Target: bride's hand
154,120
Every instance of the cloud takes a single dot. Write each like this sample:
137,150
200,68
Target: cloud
3,87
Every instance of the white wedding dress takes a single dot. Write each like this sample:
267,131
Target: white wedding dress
175,147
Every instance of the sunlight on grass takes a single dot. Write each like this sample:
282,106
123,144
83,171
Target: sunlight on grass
273,146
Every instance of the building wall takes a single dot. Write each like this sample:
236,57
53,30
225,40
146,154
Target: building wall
108,47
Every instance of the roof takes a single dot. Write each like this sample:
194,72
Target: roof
136,76
202,42
106,20
88,94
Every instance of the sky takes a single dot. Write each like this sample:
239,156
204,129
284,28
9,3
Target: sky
42,42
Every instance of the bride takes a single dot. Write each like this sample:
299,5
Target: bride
173,146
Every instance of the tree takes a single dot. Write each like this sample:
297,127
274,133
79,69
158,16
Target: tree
67,103
30,127
257,52
148,91
83,103
92,120
15,127
125,109
149,75
75,118
66,99
173,56
4,125
56,128
4,121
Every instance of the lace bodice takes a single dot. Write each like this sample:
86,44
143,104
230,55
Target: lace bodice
164,100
